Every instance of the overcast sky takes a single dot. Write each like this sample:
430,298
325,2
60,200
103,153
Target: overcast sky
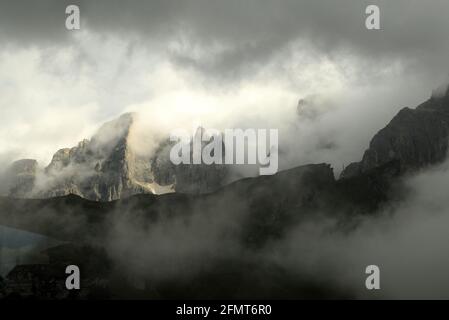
218,63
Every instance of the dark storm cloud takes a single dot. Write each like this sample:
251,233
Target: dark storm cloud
252,31
33,22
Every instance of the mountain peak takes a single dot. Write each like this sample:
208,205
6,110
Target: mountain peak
114,131
107,168
417,138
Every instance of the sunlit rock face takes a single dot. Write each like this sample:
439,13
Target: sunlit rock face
107,168
416,138
104,168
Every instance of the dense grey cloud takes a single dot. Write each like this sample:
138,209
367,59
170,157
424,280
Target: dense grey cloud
32,22
248,32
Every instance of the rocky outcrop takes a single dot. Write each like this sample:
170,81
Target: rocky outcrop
188,178
107,168
416,138
104,168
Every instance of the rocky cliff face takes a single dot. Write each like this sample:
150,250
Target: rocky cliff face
188,178
104,168
416,138
107,168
